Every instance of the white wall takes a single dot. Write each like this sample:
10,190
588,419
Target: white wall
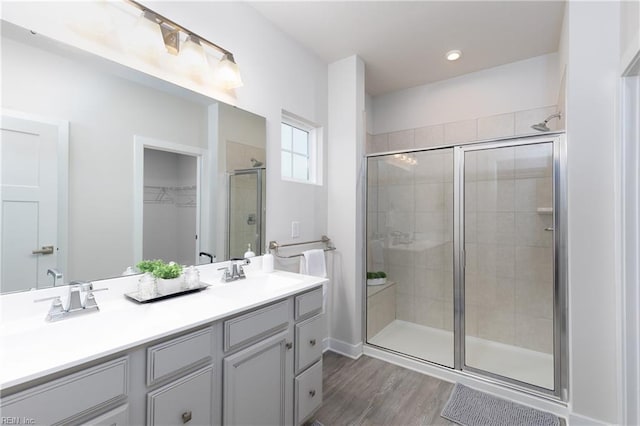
518,86
277,73
592,144
105,112
629,32
346,146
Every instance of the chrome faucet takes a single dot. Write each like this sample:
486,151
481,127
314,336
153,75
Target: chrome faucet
235,270
80,300
56,274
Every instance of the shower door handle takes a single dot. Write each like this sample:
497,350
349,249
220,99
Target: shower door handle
549,229
43,250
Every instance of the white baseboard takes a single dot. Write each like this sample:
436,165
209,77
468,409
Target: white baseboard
325,344
343,348
578,420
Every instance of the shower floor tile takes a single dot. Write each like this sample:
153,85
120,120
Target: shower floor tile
422,342
436,345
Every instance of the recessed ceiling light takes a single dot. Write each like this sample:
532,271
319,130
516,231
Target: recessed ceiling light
454,55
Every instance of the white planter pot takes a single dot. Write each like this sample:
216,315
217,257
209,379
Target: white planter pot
173,285
377,281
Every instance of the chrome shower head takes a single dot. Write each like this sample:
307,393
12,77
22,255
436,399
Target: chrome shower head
256,163
542,127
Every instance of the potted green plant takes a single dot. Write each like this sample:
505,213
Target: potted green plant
149,265
376,278
168,275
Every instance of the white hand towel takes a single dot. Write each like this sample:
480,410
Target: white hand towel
312,263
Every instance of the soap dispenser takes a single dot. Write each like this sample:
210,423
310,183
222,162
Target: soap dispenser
267,261
249,253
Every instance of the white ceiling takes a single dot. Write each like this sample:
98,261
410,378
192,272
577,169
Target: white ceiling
403,43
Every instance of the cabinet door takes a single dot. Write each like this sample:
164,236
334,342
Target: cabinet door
258,384
185,401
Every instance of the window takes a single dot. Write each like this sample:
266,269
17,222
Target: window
299,150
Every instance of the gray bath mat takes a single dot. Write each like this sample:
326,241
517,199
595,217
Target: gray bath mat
470,407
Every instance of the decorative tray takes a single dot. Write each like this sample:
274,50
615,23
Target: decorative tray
155,297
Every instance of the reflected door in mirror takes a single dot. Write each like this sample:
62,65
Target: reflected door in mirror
29,202
170,207
246,211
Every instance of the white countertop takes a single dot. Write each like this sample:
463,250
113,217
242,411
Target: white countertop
31,348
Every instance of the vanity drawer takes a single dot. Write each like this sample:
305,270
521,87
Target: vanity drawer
73,396
116,417
174,356
187,400
309,337
256,325
308,304
308,389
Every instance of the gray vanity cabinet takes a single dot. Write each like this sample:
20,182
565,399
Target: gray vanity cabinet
262,366
258,367
272,369
257,383
310,331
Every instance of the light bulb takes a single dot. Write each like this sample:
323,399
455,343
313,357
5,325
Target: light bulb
192,56
146,40
228,73
454,55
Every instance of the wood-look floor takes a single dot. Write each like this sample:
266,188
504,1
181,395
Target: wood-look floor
368,391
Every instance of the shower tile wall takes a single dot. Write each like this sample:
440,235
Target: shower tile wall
242,214
410,231
508,275
239,156
483,128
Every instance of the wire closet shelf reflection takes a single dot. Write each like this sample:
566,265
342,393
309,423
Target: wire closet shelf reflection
274,247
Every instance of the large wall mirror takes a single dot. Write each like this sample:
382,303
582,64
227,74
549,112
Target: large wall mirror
103,166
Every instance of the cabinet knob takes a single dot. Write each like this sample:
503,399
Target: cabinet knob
312,342
289,345
312,393
186,417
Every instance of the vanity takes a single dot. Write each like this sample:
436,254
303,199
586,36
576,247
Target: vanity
239,353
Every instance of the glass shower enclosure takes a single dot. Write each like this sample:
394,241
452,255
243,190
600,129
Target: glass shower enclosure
471,239
246,212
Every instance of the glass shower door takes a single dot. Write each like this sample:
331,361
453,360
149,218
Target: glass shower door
246,212
509,290
410,238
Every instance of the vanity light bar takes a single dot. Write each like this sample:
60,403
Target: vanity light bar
171,38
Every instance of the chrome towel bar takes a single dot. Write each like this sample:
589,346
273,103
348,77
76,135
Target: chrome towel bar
274,246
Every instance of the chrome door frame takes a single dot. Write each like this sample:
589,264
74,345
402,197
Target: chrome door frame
259,208
559,182
560,305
